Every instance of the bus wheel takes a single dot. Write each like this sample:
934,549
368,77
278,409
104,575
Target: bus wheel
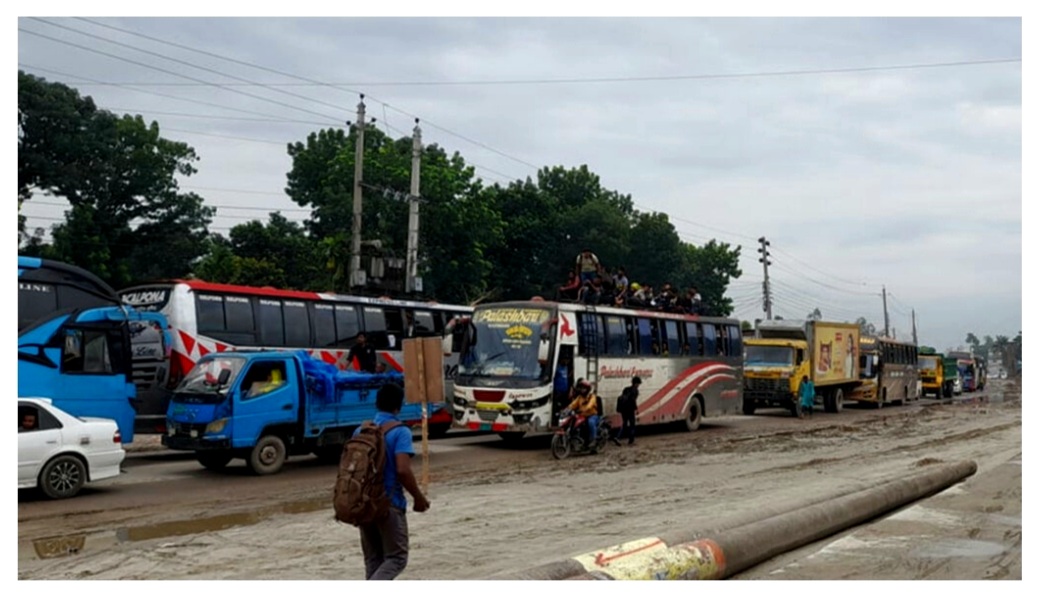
267,456
439,430
694,418
213,460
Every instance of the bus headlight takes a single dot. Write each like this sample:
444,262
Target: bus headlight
217,425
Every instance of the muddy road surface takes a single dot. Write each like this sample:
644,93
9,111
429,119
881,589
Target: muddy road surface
499,507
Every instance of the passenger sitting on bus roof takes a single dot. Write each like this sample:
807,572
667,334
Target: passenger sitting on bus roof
591,292
570,290
620,280
686,302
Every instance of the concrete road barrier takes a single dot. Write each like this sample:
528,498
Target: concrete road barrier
694,556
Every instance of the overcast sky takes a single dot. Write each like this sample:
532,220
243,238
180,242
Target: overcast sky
873,165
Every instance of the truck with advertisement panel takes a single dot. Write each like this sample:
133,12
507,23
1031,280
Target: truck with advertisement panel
782,352
263,406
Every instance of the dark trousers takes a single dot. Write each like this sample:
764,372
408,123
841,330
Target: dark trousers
629,427
385,546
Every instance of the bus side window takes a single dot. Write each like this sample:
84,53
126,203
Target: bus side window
394,324
615,336
375,328
709,340
269,318
694,340
631,335
347,320
734,341
644,334
673,337
296,324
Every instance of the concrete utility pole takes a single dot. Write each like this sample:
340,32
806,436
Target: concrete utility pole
356,222
887,323
916,342
414,213
767,289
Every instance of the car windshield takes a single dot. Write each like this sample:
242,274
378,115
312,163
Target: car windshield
204,379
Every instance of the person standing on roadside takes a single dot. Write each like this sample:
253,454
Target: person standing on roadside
807,398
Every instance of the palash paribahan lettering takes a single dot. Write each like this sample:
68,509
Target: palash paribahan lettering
624,372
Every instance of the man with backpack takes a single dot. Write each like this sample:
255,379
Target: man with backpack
381,518
626,405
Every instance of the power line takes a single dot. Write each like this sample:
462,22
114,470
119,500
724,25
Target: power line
813,280
183,99
311,81
162,70
646,78
813,268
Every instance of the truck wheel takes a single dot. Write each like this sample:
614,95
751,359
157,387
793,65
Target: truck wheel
938,394
748,407
329,453
838,401
213,460
267,456
694,418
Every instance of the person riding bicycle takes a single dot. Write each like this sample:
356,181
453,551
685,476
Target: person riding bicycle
585,404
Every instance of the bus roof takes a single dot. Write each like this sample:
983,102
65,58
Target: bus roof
204,286
607,310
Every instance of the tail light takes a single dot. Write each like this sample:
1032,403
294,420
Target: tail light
116,437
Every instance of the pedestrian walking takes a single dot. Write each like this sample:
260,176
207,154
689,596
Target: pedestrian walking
385,543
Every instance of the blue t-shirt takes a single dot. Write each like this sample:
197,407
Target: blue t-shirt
397,440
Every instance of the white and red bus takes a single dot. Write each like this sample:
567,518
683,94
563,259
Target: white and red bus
205,317
691,366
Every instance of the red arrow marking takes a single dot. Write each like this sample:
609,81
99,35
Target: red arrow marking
603,561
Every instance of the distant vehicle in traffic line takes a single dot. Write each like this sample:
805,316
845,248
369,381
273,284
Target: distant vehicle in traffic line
59,453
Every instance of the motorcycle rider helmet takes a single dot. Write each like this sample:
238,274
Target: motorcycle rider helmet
583,387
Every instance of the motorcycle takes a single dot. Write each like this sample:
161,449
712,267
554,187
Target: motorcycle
571,436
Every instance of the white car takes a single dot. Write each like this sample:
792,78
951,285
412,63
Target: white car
59,453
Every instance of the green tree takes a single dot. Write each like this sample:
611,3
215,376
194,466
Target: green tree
128,220
816,314
710,268
866,328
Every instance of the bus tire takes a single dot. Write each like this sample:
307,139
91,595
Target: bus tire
213,460
439,430
267,456
694,418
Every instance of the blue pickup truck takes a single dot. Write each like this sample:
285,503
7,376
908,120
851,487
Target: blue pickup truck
264,406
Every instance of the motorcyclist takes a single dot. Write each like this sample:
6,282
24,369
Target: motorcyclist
585,404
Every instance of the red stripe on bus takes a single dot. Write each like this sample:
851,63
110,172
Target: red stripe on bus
391,361
200,285
188,341
652,400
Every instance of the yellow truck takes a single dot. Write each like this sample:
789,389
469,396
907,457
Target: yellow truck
782,352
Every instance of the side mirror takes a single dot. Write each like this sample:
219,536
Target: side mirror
544,350
225,375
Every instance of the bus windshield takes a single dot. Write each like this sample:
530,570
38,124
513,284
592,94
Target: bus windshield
769,355
204,379
505,343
